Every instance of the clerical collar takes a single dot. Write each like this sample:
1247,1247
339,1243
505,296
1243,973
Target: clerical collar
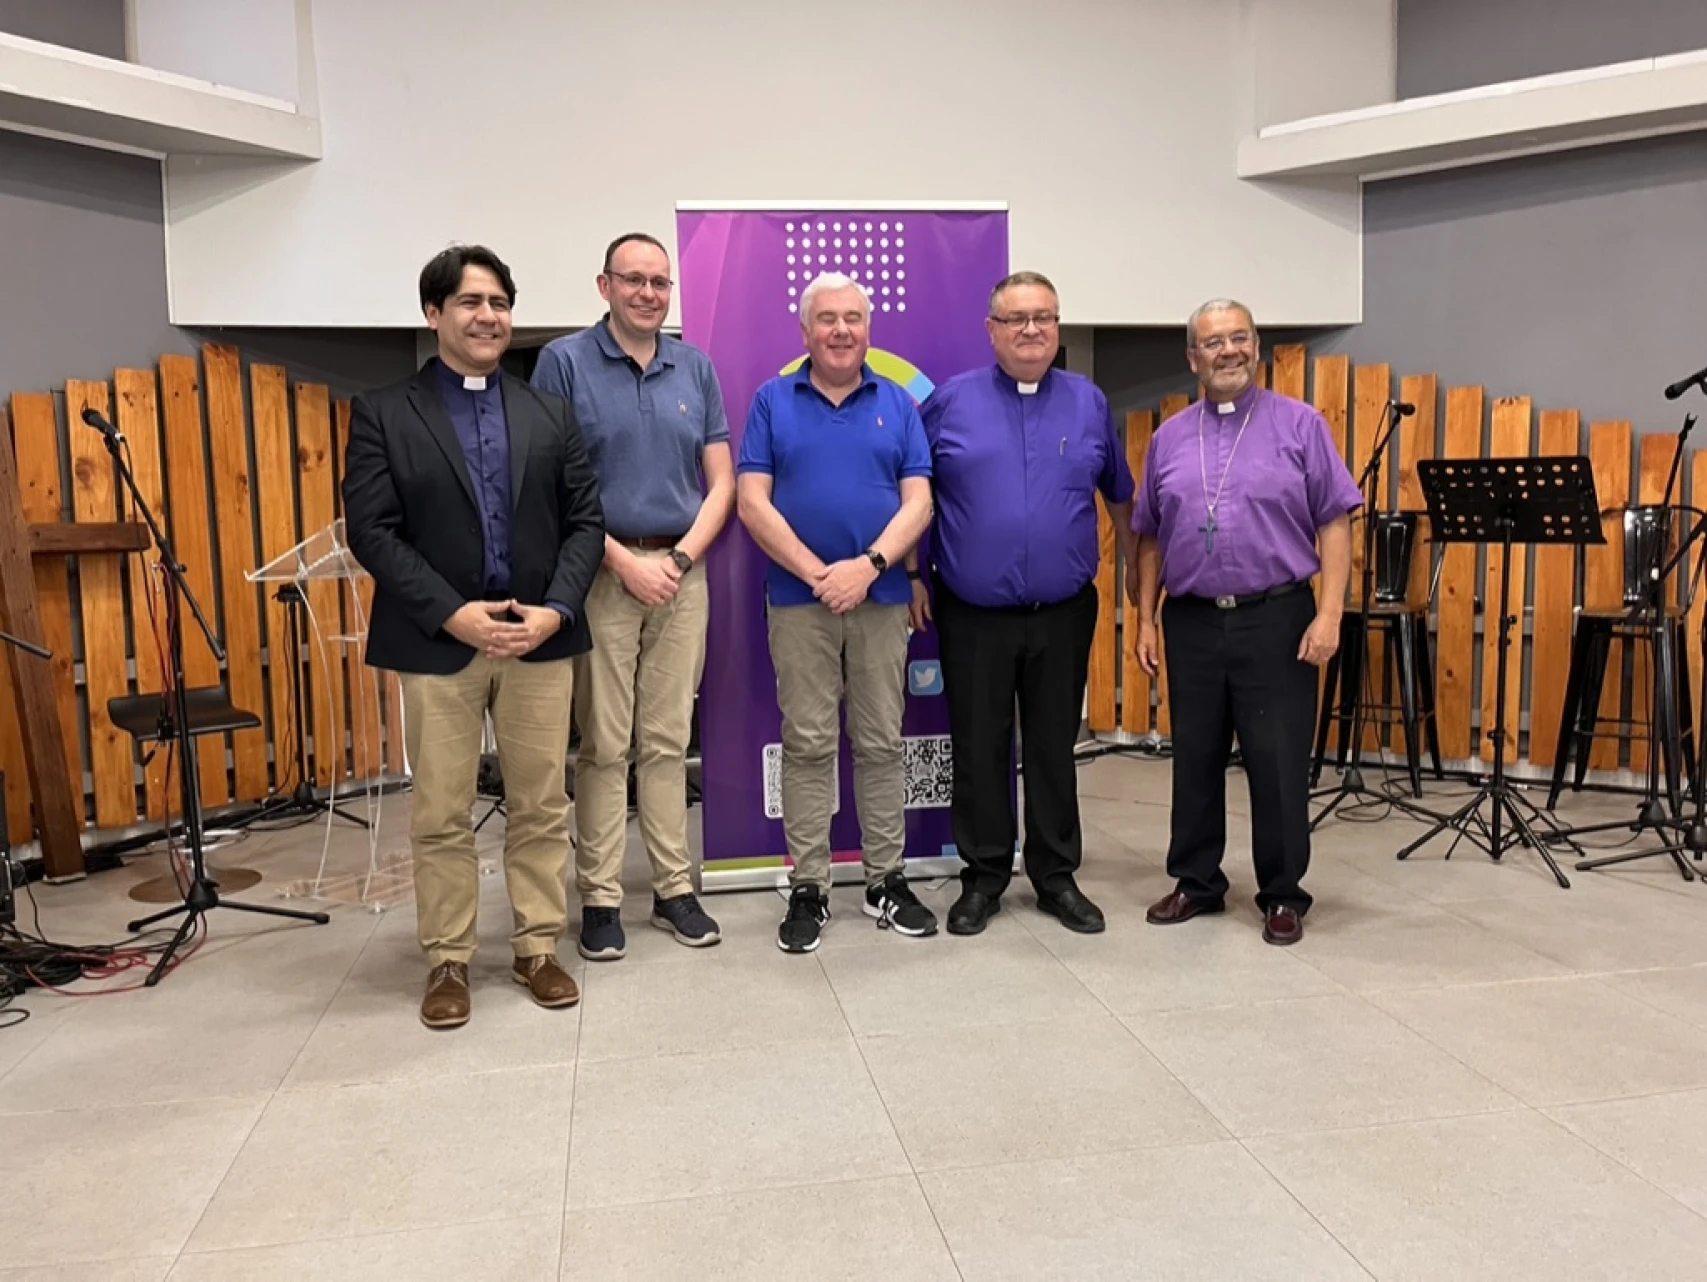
1239,404
468,382
1026,389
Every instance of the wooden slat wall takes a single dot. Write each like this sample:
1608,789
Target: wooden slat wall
13,759
1696,468
1654,455
314,476
1455,643
1134,681
275,461
1372,388
1609,449
1418,440
1105,661
139,421
1555,594
1513,417
1171,405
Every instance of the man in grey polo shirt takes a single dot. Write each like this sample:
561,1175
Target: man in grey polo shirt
651,412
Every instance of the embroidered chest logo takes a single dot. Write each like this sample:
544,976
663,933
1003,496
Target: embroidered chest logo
683,406
880,420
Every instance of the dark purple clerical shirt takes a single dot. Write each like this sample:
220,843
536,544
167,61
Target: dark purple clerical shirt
1016,469
1285,480
478,416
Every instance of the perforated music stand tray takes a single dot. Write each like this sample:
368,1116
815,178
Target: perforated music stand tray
1507,501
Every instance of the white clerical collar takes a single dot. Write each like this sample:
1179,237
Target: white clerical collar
1026,389
474,382
1226,407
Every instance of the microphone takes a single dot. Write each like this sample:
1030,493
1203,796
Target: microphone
93,418
1678,388
1405,408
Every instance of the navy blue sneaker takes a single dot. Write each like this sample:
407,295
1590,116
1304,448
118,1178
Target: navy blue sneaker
682,916
601,934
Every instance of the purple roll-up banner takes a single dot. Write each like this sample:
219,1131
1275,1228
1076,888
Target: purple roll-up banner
929,270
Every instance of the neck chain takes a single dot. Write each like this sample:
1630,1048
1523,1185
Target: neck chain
1209,527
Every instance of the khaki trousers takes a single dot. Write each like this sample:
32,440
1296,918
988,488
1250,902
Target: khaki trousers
445,719
636,686
820,656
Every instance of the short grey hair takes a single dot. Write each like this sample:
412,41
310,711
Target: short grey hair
1213,306
831,281
1015,279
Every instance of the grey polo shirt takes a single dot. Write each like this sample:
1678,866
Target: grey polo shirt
646,430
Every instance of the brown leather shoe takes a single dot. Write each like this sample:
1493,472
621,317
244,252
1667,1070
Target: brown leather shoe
1172,909
1282,925
549,983
446,1004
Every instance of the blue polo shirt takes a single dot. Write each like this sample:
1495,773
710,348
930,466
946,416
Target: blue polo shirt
836,471
646,429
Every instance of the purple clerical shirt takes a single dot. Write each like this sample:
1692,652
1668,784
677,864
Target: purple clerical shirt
1016,469
1284,482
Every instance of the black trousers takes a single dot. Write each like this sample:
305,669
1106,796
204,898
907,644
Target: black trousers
991,658
1238,670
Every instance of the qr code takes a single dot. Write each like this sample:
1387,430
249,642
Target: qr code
927,764
773,782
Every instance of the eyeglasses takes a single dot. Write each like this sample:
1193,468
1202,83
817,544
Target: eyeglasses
1018,321
637,281
1238,342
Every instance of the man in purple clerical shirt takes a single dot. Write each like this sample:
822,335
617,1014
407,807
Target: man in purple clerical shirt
1244,498
1019,452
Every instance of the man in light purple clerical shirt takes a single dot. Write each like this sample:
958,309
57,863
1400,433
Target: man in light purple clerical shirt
1019,452
1244,499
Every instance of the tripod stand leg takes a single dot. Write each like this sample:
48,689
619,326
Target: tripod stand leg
1607,861
319,919
165,963
1522,825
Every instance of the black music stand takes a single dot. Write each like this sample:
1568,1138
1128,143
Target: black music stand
1507,501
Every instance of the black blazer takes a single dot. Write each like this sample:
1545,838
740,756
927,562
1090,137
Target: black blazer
411,520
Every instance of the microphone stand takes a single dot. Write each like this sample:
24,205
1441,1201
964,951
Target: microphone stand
28,647
203,894
1351,778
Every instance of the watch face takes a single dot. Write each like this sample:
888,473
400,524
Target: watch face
683,562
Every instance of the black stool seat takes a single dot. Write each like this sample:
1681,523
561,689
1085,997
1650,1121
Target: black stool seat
211,712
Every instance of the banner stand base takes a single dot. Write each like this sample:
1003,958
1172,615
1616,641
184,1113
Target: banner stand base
774,876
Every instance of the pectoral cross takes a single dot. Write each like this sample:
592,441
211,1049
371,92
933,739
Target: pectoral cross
1207,529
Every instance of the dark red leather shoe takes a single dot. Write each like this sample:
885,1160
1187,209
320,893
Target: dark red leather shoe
1281,925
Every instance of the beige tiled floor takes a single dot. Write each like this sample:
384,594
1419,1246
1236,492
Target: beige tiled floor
1463,1072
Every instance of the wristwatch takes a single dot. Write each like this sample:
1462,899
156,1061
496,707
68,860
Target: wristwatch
683,561
878,559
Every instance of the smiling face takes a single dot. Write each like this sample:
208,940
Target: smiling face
1224,353
638,288
838,333
1025,330
474,325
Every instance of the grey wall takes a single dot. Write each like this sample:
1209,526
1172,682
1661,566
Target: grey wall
1454,44
94,26
85,252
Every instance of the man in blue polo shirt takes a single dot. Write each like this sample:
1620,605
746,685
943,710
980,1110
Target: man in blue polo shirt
835,488
652,415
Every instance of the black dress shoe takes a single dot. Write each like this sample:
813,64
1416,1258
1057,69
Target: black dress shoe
1073,909
972,912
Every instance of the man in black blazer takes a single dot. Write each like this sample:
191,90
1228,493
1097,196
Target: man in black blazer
470,499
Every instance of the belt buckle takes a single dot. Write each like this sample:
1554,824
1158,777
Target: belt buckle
1226,602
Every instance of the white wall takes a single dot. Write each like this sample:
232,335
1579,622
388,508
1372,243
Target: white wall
241,44
543,129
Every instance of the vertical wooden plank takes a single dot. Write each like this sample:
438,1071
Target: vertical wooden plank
1555,593
1289,370
36,430
1456,657
93,480
275,488
1105,662
1513,418
1696,467
1654,455
233,499
1373,388
139,421
192,541
355,600
14,757
1134,681
314,474
1418,440
1331,399
1262,374
1171,405
1609,448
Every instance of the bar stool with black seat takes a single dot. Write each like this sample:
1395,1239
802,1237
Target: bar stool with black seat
1403,590
1651,534
147,718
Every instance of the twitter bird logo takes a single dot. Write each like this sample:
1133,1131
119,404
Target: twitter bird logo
924,677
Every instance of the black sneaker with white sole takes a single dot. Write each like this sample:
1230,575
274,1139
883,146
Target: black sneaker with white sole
683,917
808,910
897,908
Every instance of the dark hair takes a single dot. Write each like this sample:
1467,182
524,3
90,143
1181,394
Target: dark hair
1020,278
626,238
442,277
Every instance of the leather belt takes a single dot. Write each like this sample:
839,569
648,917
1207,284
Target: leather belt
1234,602
651,542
